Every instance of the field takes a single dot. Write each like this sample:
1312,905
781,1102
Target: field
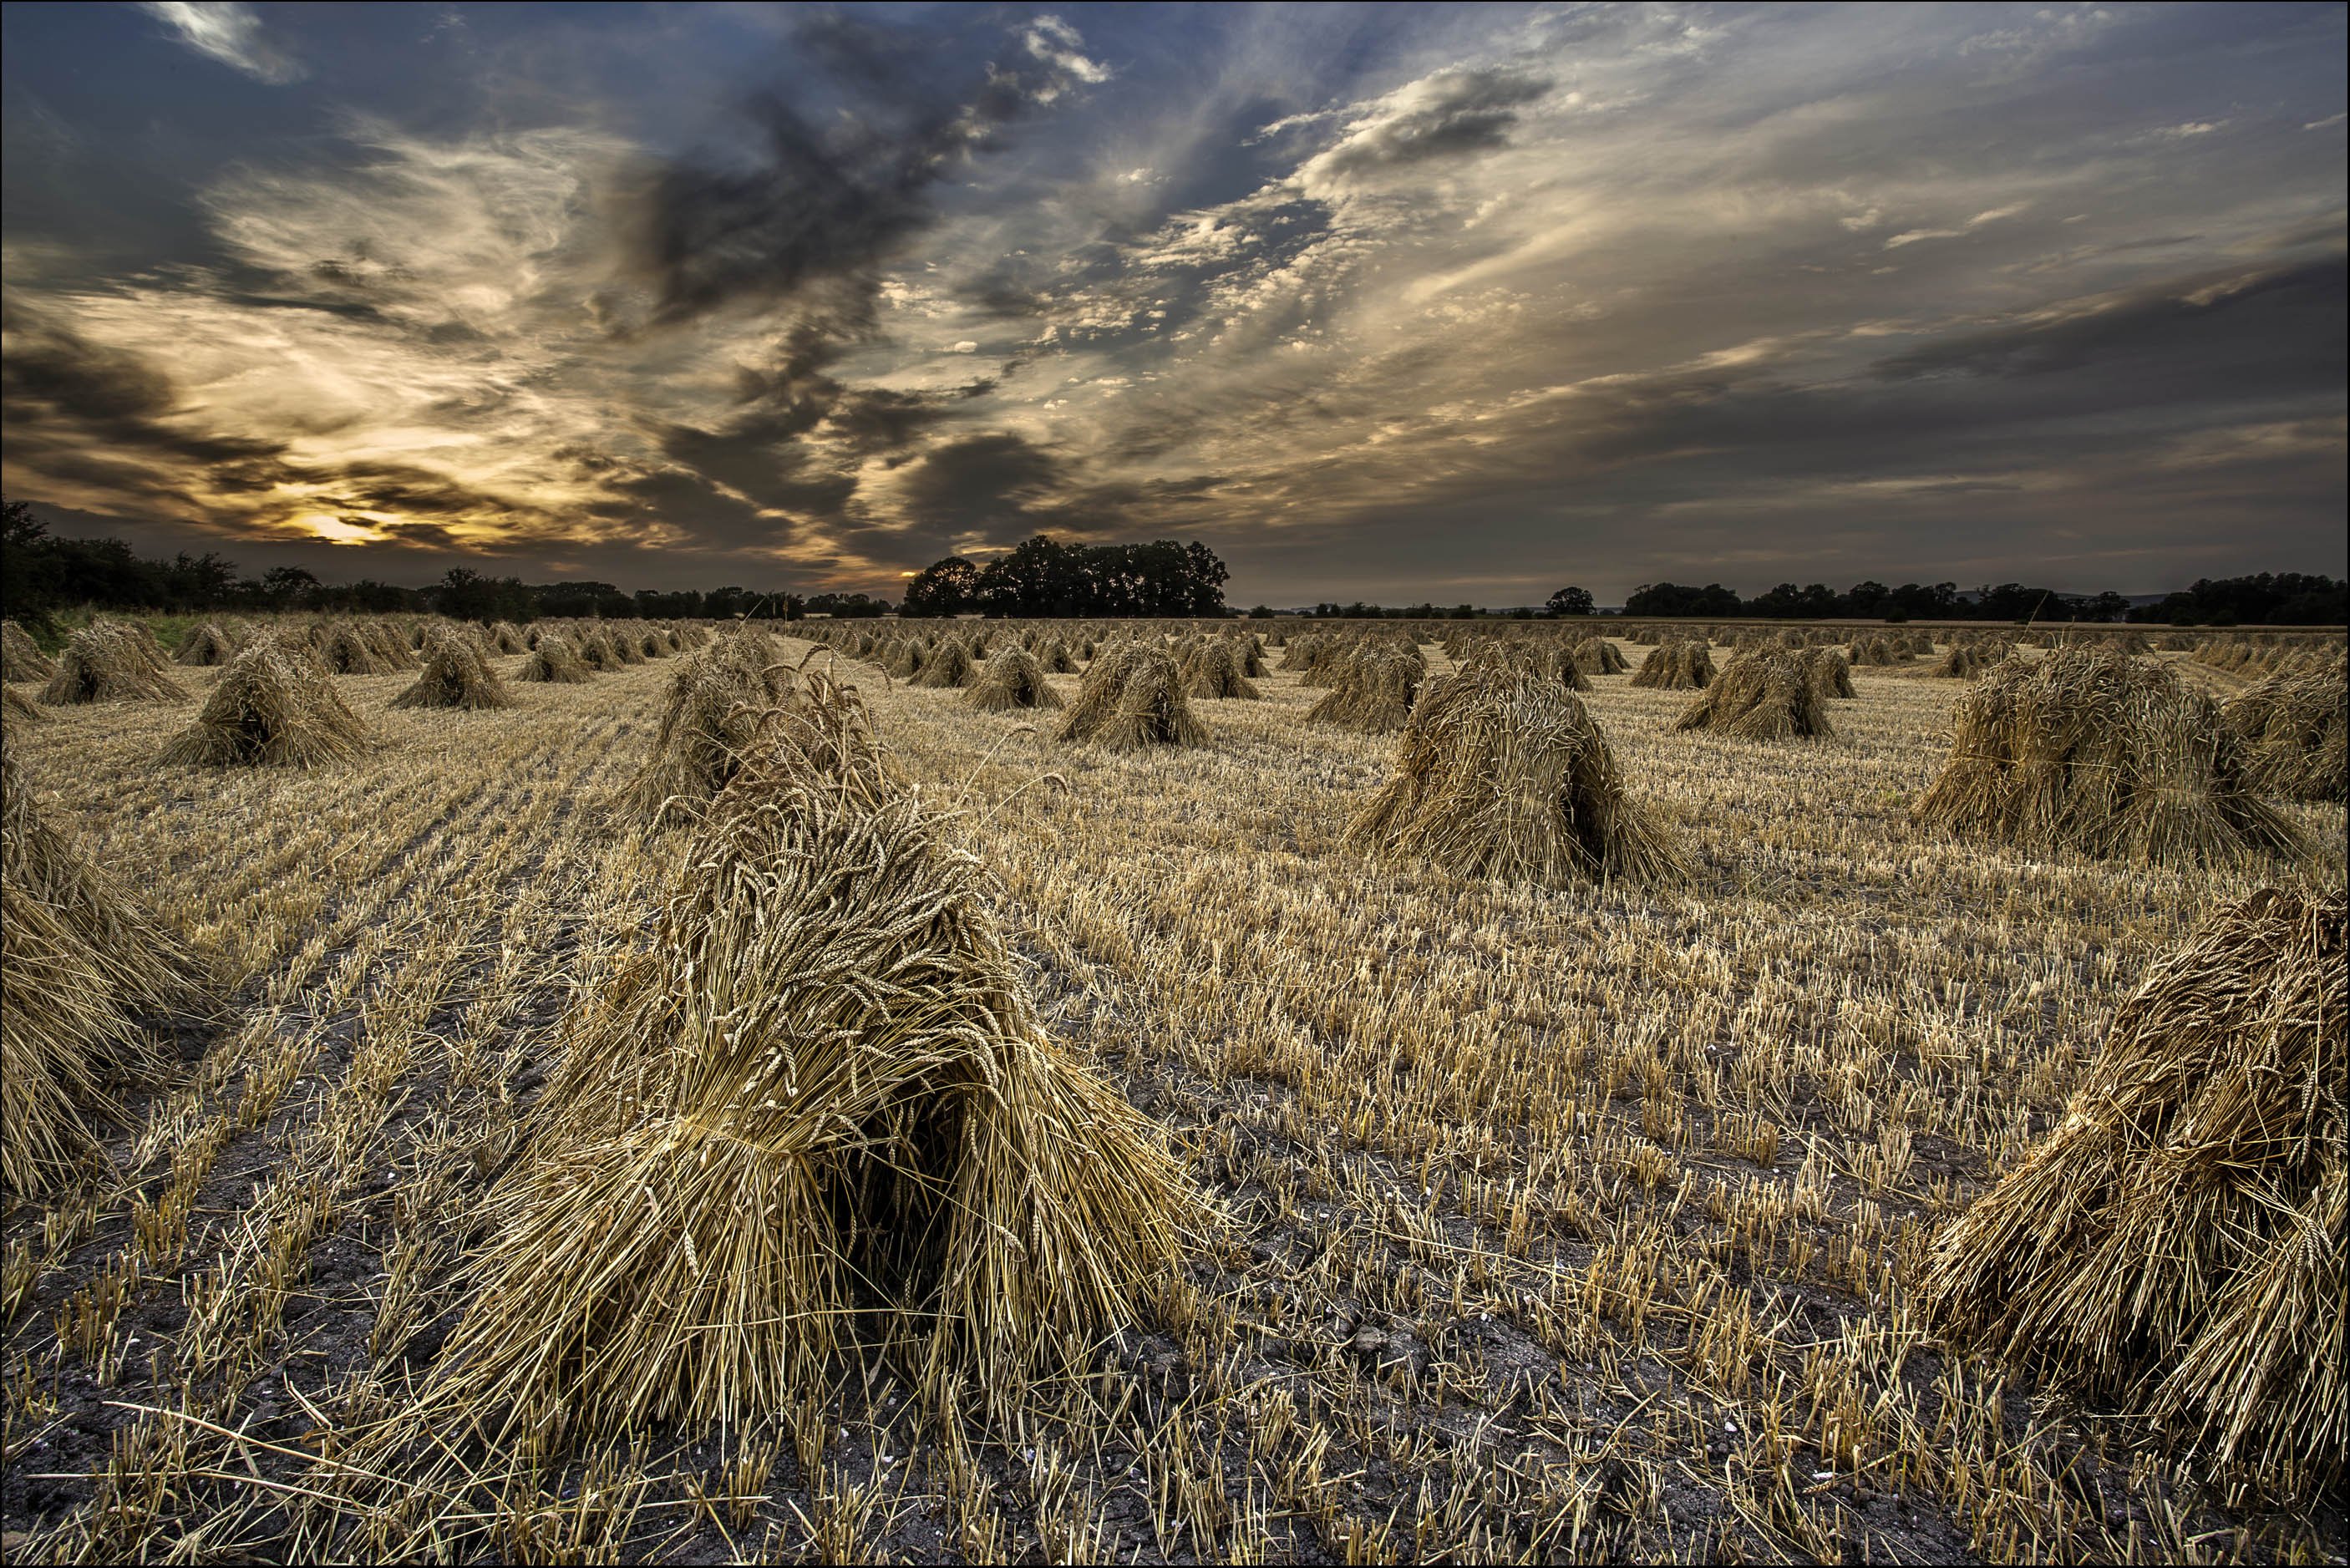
1550,1224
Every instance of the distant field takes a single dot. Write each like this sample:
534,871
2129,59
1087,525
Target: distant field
1573,1223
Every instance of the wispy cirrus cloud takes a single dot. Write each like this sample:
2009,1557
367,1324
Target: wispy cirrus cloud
229,32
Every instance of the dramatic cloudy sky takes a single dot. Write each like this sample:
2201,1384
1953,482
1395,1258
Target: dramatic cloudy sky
1393,302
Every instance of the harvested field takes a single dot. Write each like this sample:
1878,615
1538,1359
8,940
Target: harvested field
1581,1221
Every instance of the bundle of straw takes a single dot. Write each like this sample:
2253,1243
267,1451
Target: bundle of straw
1535,656
948,666
595,649
1502,773
554,662
823,1099
344,649
2091,750
1014,679
1375,690
142,637
1597,656
206,646
1213,668
1965,660
722,701
21,658
104,662
82,969
1676,667
1302,650
1874,651
1825,669
393,652
272,709
456,675
1132,697
2293,727
1764,694
2178,1237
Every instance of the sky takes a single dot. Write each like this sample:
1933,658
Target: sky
1396,303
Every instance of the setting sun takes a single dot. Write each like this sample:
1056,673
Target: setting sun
344,531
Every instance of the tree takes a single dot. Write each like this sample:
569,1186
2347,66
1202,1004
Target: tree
1204,577
846,605
1040,576
683,605
463,594
2016,602
1571,601
1043,576
1674,599
198,582
942,588
2271,598
281,587
29,574
1934,603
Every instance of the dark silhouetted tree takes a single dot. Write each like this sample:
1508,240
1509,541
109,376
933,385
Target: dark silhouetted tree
1571,601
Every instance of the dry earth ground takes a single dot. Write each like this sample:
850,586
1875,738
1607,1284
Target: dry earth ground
1566,1224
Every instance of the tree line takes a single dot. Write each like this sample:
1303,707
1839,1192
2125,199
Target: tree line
41,572
2268,599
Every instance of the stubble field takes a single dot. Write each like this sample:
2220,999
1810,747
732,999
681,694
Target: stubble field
1550,1224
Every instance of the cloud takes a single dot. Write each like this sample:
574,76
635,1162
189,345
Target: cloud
229,32
988,484
2287,323
1447,115
59,391
1992,215
1460,295
812,201
1057,45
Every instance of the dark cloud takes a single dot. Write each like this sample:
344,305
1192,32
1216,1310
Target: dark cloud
804,224
682,499
2287,324
53,378
405,488
440,539
94,418
883,420
830,198
1000,487
1447,115
989,483
778,475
